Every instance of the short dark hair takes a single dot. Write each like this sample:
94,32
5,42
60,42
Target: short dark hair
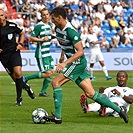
59,11
44,9
122,71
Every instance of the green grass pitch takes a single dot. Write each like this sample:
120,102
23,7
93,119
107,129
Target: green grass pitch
18,119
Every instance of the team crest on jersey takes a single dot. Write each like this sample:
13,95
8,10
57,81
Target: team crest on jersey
124,90
75,38
10,36
64,37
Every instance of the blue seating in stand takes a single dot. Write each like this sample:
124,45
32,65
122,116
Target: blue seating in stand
118,18
100,38
125,10
130,11
109,39
105,26
129,46
121,46
32,47
126,19
84,18
80,18
106,32
113,32
125,13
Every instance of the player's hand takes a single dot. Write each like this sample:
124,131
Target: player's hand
101,89
114,91
60,67
19,47
1,50
45,39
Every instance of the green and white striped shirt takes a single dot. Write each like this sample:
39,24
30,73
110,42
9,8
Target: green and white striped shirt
67,38
40,31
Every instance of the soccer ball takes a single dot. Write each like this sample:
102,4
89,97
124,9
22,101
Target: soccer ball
37,116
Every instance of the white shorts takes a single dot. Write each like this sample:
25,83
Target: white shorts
96,57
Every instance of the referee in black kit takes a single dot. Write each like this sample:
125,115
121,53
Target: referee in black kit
10,55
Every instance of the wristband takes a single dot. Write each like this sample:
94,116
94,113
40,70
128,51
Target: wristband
21,44
122,95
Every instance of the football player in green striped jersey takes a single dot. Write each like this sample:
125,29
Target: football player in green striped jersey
73,68
42,34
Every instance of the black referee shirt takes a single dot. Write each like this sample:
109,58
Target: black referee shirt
8,35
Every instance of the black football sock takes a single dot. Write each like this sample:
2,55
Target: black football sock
19,86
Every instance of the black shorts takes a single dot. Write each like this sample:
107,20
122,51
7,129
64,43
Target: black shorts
11,60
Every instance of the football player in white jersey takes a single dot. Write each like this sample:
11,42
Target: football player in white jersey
95,53
120,95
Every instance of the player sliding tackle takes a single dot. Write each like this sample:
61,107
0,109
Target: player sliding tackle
73,68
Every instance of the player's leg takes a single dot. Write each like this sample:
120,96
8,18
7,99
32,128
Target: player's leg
91,72
101,61
45,66
100,98
105,71
57,94
46,83
14,68
16,64
71,72
48,72
19,84
92,107
57,82
36,75
92,59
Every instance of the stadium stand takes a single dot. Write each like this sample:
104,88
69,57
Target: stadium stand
84,10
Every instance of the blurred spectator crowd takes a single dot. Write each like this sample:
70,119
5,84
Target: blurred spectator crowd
110,19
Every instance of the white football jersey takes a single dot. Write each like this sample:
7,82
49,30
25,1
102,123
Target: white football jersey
115,98
93,47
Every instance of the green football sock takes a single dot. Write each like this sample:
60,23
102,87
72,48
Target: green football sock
58,101
34,76
103,100
45,85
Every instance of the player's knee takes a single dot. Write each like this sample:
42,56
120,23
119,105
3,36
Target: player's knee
18,74
54,83
50,73
89,95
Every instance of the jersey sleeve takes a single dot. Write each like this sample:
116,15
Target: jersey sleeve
130,92
74,36
107,91
36,31
18,30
